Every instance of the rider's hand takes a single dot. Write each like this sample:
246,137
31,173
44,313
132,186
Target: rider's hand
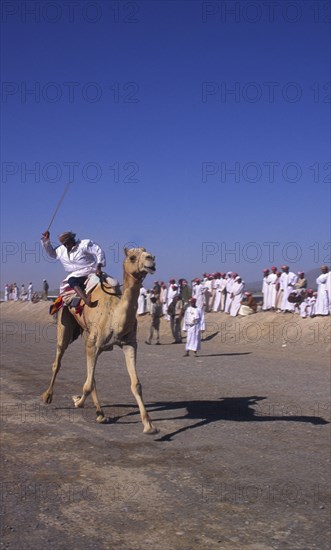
46,235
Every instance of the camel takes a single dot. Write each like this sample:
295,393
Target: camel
111,321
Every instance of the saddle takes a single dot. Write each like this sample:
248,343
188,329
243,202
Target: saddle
68,297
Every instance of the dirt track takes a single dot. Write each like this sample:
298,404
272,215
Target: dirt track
241,460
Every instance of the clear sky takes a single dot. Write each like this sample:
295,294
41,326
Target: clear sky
199,130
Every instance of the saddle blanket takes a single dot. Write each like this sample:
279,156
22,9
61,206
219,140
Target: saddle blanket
67,295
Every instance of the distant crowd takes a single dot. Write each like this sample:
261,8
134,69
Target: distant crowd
25,294
282,291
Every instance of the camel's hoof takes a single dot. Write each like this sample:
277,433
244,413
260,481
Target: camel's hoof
101,419
47,398
76,399
151,431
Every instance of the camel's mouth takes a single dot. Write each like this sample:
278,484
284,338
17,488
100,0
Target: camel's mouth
150,268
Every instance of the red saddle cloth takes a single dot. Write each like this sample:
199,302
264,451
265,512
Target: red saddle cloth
59,302
56,305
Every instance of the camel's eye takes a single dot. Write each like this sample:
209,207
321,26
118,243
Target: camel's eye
133,258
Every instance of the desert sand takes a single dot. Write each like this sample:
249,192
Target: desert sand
242,459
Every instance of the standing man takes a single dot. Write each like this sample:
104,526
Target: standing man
272,292
78,257
192,326
30,292
237,295
156,312
15,292
44,294
287,285
322,302
176,314
265,290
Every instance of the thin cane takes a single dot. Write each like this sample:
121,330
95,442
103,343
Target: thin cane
59,203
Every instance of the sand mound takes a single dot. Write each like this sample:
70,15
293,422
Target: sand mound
261,329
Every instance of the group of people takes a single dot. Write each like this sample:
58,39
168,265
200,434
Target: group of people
24,294
12,292
184,306
286,291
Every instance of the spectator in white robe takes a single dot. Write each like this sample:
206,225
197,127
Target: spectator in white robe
223,290
328,289
172,292
23,294
228,287
265,289
306,305
217,293
30,292
142,301
208,292
322,302
272,292
192,326
163,298
288,280
279,293
198,294
237,292
15,292
6,294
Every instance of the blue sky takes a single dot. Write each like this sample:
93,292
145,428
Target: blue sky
200,130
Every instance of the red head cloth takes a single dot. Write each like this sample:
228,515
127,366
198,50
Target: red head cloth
248,294
284,266
266,271
274,268
172,281
234,274
300,272
192,300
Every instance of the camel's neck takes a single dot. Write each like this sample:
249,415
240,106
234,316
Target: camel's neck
124,319
131,287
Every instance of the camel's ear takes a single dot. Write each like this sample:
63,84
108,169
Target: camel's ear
126,251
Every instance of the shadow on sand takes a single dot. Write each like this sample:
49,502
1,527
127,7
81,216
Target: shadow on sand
234,409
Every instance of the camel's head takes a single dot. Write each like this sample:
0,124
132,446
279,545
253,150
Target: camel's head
138,262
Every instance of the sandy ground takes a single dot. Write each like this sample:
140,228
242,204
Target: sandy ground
242,459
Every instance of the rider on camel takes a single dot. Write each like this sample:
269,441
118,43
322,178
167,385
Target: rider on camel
78,257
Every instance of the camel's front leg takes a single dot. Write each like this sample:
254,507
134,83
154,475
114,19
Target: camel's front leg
130,358
91,358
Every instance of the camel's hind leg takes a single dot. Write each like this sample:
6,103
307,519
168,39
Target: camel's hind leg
66,332
130,358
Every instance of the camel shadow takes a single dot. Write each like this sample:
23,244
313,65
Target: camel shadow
205,412
235,409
